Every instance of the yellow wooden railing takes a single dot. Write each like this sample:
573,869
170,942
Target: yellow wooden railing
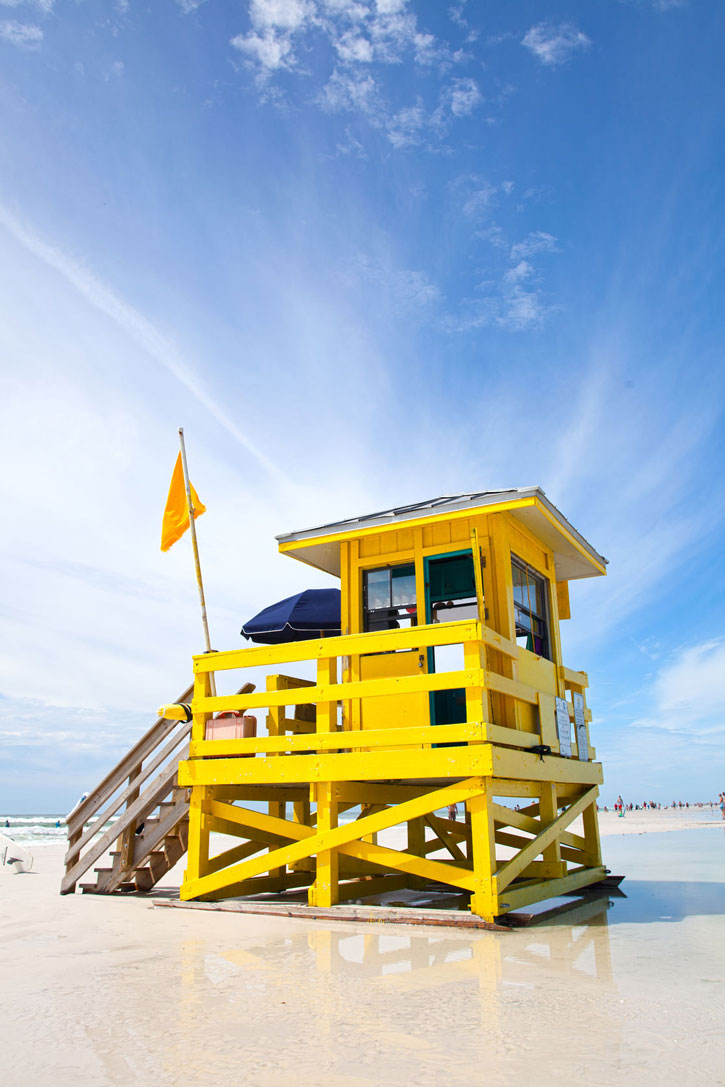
327,692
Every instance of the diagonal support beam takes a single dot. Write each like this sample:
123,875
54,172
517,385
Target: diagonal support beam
446,841
311,842
512,868
508,817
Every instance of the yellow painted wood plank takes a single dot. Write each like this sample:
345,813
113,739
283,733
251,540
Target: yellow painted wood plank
415,866
503,645
511,869
428,634
529,767
514,737
469,732
312,842
511,687
574,679
522,821
514,898
447,762
369,688
359,533
483,899
234,854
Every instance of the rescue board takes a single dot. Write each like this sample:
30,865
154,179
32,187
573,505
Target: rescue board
13,857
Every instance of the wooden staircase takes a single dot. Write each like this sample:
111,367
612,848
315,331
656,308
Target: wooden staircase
159,843
150,835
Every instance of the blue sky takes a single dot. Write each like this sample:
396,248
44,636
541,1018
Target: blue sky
365,251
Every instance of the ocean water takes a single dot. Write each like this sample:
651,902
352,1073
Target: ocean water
36,830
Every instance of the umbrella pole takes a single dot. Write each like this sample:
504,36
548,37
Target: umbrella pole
195,546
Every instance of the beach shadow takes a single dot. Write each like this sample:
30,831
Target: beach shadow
662,900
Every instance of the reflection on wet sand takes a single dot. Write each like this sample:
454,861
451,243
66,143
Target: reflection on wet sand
343,988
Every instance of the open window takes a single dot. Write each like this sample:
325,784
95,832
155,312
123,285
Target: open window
389,598
531,609
452,588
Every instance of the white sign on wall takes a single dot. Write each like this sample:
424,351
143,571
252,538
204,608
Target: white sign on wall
581,727
563,727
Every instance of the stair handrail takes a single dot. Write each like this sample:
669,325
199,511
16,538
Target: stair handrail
139,805
138,780
158,732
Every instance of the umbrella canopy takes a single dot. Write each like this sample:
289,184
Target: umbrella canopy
305,615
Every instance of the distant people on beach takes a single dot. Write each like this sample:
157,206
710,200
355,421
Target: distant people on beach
453,811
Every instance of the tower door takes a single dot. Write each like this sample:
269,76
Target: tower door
450,595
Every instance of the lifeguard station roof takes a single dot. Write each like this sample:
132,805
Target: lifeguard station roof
574,557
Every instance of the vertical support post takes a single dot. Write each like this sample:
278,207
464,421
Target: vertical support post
474,659
549,810
127,841
355,620
591,834
197,859
275,727
324,891
506,707
478,575
484,900
301,815
416,845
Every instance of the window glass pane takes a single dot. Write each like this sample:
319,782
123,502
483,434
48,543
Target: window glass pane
403,586
529,590
378,589
523,619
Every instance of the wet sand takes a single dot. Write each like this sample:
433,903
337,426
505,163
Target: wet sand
107,991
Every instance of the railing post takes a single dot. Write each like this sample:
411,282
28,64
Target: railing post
197,863
127,840
325,890
474,659
275,727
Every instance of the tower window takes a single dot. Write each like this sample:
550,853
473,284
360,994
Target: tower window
389,598
530,609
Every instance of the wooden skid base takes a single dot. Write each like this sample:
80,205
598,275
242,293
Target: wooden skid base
283,906
393,915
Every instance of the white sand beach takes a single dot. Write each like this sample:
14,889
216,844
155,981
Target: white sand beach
107,991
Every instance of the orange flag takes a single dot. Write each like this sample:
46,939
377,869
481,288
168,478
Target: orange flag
176,514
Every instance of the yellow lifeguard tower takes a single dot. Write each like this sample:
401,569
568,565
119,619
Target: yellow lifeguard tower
445,687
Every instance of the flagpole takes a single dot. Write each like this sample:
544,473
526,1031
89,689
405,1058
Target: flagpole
195,546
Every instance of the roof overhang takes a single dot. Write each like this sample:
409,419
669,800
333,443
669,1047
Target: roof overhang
574,557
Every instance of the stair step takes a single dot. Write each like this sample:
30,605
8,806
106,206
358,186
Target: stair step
144,880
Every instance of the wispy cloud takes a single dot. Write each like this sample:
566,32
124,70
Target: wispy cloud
21,35
554,45
363,38
46,6
512,297
407,289
135,325
687,695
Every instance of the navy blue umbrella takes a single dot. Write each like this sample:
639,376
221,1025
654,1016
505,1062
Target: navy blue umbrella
306,615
